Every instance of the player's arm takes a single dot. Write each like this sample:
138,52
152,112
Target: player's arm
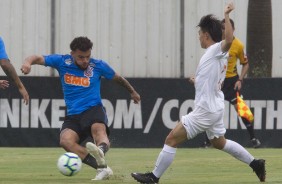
226,43
245,67
238,84
123,82
32,60
10,71
244,71
244,62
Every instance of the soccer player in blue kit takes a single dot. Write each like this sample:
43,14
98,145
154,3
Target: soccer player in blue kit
10,71
80,76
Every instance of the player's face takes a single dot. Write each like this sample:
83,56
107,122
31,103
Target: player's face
81,58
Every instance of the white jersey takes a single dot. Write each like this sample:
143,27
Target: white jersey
210,74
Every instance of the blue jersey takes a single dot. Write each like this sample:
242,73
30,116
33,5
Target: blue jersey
81,88
3,54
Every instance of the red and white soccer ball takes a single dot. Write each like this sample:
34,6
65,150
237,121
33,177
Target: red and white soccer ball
69,164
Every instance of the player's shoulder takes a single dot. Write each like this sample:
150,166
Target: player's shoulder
95,60
57,57
237,42
98,62
214,49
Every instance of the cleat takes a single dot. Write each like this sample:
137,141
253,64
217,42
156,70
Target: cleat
256,143
97,153
147,178
103,173
258,167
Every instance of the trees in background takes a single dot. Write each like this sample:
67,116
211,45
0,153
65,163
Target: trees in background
259,38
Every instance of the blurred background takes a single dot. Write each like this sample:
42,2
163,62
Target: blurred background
154,44
139,38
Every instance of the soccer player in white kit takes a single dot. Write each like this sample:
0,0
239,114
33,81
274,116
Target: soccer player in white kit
209,103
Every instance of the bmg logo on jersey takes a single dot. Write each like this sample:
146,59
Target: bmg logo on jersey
77,81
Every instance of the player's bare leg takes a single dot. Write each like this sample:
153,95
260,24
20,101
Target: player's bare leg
69,141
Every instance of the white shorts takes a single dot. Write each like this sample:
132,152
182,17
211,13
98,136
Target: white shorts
200,120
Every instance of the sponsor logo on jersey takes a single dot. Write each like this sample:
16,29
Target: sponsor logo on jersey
76,81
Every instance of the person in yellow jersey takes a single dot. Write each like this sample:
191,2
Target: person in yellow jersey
233,81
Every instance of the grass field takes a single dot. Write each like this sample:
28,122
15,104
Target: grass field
191,166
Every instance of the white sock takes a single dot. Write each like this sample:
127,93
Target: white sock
238,151
164,160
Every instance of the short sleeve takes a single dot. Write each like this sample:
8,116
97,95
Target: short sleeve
108,72
53,60
3,54
242,56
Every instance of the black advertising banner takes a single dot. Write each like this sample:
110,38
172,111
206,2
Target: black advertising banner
163,102
36,124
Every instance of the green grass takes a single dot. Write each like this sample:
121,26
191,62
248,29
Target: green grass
191,166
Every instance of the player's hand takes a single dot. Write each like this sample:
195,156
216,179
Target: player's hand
26,67
4,84
24,94
191,80
135,97
238,85
229,7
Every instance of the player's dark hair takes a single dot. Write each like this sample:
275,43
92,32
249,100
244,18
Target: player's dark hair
231,21
212,25
81,43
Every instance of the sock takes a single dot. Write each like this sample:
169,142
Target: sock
164,160
249,127
104,147
237,151
207,139
91,161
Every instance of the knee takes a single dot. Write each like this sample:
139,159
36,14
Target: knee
100,132
170,141
218,143
98,129
218,146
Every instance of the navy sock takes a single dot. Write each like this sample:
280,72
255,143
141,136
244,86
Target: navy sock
91,161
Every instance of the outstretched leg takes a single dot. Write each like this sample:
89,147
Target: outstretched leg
166,156
240,153
69,141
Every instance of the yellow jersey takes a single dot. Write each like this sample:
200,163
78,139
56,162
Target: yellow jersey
236,51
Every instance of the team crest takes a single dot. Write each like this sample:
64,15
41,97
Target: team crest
88,72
